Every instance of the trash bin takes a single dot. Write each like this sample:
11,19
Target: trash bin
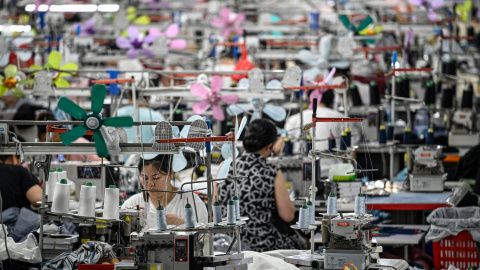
455,232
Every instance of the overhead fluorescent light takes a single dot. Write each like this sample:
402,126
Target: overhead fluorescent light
74,8
15,28
108,8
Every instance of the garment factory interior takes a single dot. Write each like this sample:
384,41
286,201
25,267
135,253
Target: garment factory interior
240,134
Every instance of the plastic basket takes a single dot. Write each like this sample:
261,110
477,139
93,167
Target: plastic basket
459,250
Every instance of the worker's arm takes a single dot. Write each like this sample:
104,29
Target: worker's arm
285,207
215,189
34,195
278,145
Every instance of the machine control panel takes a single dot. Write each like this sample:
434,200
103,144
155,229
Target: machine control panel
181,250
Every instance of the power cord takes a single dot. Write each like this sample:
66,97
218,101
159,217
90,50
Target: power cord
4,232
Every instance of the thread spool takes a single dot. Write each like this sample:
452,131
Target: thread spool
430,139
217,213
288,147
111,203
189,217
349,137
61,174
303,218
343,141
429,97
390,132
355,94
161,218
52,181
237,207
374,94
359,204
86,206
382,135
231,213
407,136
331,142
467,98
447,98
311,212
61,197
332,204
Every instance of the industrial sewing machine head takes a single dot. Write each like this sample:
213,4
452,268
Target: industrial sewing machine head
348,239
427,173
463,130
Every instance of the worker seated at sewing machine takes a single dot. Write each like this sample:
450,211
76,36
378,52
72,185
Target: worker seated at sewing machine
156,176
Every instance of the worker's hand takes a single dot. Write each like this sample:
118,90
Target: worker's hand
174,219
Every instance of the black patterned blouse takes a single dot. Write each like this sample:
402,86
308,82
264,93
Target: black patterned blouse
257,201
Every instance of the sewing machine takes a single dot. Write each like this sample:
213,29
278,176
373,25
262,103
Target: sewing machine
427,173
81,172
463,132
175,250
347,239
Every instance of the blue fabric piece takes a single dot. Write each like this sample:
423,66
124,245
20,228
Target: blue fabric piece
88,253
20,222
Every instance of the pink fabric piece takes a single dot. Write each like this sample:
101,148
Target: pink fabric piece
201,106
172,30
218,113
199,90
216,85
178,44
132,32
432,16
123,42
229,99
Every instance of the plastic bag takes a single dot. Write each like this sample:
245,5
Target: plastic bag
448,221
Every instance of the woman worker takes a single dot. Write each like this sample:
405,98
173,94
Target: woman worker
263,195
157,174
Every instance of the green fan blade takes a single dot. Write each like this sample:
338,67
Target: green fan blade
102,150
98,96
73,134
365,23
71,108
10,71
27,81
123,121
344,19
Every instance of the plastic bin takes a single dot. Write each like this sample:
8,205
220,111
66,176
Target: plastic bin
459,250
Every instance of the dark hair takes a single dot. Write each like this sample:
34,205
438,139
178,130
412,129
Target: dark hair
259,133
162,162
44,116
327,98
26,111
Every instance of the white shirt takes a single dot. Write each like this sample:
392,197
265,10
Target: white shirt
323,129
176,207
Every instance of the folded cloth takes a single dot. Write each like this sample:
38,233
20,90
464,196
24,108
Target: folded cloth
88,253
